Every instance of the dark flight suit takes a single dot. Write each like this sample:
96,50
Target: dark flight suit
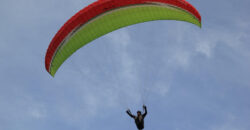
139,120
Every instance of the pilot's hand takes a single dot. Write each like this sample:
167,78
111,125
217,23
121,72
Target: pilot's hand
144,107
128,111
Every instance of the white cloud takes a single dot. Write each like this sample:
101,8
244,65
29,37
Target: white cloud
205,48
37,113
209,39
121,40
127,72
161,88
182,58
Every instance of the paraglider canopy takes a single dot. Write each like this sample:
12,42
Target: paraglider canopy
104,16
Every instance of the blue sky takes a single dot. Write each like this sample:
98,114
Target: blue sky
190,78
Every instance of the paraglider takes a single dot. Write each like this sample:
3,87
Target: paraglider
139,119
104,16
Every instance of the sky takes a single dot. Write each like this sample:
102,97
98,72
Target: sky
190,78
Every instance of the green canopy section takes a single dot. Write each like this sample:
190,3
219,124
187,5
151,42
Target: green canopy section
113,20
